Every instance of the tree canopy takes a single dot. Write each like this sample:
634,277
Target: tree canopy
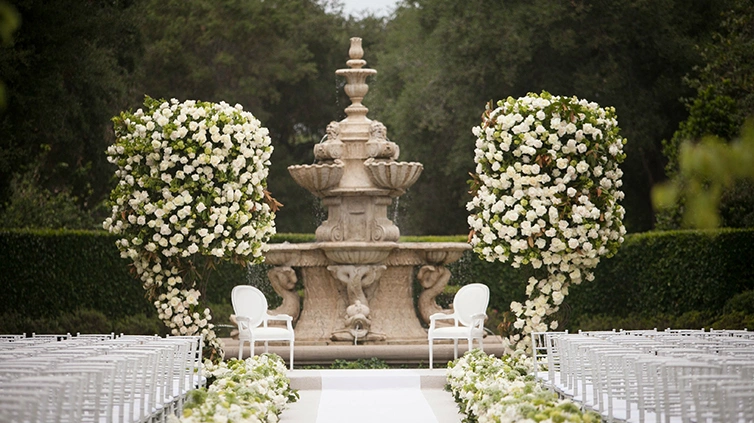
72,65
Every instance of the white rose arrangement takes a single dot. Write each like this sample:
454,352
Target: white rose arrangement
191,191
547,195
493,390
255,390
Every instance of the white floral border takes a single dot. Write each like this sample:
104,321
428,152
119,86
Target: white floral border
255,390
490,389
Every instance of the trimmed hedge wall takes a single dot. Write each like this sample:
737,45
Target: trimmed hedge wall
49,273
653,273
670,272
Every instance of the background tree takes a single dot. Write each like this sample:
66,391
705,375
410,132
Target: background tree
67,71
724,86
439,62
9,21
442,60
275,57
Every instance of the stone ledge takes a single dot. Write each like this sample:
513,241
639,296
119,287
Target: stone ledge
399,355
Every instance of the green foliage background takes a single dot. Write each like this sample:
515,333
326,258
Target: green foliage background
673,69
439,62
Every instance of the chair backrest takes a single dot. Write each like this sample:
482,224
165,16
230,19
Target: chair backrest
470,300
250,302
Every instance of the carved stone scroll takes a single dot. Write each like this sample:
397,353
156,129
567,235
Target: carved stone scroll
433,279
283,280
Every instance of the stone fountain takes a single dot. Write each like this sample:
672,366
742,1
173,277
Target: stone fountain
357,277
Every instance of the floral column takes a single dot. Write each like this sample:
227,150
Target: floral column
547,193
191,192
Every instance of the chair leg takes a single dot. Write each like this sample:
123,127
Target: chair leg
455,349
251,348
291,354
471,343
240,349
481,343
430,354
266,347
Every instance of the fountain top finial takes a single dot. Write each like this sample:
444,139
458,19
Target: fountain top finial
356,52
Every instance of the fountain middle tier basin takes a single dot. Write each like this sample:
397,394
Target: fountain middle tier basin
317,177
396,176
380,276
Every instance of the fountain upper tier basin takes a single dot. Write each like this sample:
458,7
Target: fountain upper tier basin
322,178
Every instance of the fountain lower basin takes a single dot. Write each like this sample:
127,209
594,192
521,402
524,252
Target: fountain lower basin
385,287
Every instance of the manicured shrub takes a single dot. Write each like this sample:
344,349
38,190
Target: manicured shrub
652,278
361,363
140,324
80,320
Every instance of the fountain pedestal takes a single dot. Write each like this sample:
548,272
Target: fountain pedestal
358,280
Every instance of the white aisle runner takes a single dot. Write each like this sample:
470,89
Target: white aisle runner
373,396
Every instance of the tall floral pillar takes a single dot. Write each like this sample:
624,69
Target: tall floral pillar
547,196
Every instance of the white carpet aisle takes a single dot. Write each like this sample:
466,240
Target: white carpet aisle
372,396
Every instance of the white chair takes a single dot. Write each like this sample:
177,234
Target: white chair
469,308
250,307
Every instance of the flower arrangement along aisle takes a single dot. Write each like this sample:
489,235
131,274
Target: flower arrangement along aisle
255,390
493,390
191,192
546,195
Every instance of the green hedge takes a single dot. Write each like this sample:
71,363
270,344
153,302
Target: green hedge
654,273
49,273
45,273
673,272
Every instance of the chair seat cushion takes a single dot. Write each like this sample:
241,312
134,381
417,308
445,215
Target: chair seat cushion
453,332
271,334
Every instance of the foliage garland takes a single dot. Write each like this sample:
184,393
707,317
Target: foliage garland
191,192
546,194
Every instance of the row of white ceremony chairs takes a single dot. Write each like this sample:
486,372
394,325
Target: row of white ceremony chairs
97,378
652,376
